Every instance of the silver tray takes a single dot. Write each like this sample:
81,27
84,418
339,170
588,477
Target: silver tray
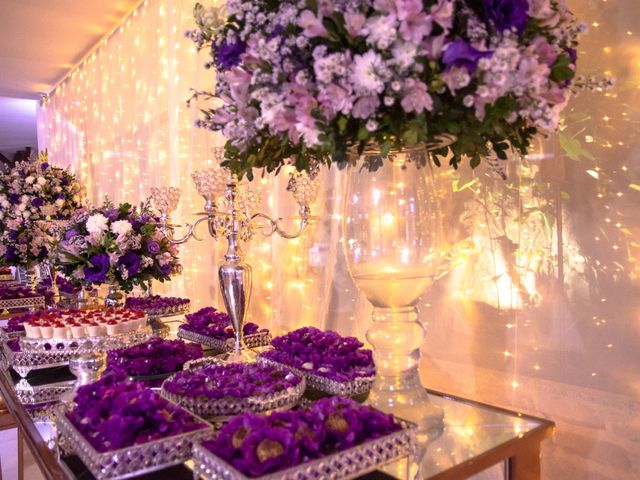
35,356
260,339
5,336
6,277
346,464
168,312
357,386
33,395
25,302
130,461
220,409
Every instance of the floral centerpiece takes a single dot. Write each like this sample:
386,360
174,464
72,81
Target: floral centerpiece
155,357
258,445
311,80
120,245
34,197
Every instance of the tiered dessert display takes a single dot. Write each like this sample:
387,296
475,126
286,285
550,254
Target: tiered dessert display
6,275
214,329
119,428
331,364
219,391
54,337
334,438
156,358
17,297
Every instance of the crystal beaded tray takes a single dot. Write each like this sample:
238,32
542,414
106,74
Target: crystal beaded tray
168,312
39,353
39,394
260,339
130,461
357,386
346,464
220,409
24,302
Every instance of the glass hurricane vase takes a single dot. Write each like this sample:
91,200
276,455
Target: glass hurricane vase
392,233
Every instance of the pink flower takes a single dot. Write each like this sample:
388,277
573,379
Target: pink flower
365,106
239,82
432,46
415,24
335,99
442,14
545,51
416,98
311,24
354,23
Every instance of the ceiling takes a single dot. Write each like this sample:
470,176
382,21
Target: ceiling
40,41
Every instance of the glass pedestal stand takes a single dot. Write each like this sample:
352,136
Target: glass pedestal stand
396,335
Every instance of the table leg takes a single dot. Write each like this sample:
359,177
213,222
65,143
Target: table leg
524,465
20,456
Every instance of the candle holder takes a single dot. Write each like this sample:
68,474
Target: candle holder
230,211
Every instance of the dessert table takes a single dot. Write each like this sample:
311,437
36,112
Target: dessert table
475,437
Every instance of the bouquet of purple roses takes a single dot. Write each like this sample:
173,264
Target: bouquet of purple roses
116,245
257,445
315,81
155,357
34,198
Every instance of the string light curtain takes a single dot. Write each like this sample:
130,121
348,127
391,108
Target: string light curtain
537,307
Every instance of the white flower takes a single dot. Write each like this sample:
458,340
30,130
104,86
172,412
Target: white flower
29,180
60,202
369,73
41,181
121,227
97,223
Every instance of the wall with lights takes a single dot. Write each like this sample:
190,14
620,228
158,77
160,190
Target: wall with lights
538,310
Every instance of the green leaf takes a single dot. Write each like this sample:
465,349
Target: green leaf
573,148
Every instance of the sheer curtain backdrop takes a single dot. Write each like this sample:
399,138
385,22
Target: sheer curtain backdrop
537,308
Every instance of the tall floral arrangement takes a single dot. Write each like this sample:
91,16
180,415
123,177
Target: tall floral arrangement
36,198
116,244
311,80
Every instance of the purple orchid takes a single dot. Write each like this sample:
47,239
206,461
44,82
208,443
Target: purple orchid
461,54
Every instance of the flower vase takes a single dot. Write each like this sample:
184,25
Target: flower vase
115,297
391,228
82,299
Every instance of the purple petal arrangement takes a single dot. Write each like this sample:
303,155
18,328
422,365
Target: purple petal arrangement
113,413
155,357
237,380
326,354
213,323
8,292
158,305
257,445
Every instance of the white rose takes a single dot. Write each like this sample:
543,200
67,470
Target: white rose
29,179
121,227
60,202
41,181
97,223
5,204
26,214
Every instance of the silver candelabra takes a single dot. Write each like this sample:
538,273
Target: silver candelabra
230,211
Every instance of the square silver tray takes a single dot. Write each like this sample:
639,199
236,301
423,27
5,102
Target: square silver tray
260,339
32,395
357,386
220,409
24,302
346,464
169,312
130,461
34,354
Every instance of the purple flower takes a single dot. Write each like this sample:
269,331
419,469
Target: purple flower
152,246
112,214
461,54
157,356
364,107
97,272
11,255
130,261
507,14
37,202
72,232
14,198
13,235
44,166
228,55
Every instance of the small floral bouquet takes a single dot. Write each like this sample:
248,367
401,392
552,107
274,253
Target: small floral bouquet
113,413
258,445
316,80
35,198
116,245
155,357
